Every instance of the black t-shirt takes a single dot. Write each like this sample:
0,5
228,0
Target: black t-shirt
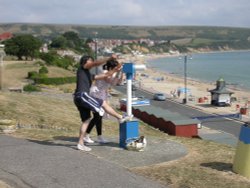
83,80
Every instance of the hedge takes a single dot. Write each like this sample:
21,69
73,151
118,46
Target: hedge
55,81
31,88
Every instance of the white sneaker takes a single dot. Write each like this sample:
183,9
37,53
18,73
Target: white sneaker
83,147
87,139
102,140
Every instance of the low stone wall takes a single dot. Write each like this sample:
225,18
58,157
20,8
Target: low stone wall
7,126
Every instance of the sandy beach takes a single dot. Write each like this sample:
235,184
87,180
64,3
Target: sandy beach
156,81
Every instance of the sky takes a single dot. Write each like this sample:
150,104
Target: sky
232,13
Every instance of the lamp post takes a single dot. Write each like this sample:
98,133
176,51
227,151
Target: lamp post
185,79
96,33
2,54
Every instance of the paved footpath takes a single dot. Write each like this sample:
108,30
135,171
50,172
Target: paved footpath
26,164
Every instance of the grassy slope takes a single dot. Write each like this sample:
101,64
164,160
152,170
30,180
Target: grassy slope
46,118
15,72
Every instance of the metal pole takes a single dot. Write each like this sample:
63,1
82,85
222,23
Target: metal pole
185,79
95,48
1,72
2,54
96,33
129,95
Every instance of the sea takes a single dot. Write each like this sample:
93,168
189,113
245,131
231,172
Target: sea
233,67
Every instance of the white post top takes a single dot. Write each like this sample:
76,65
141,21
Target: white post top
140,67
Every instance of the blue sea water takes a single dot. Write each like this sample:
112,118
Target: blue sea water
233,67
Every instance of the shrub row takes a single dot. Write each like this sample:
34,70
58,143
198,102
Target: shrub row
31,88
55,81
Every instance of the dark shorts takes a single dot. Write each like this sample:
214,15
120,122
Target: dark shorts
84,113
85,104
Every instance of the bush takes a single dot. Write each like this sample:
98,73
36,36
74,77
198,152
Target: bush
42,73
31,88
63,62
52,58
33,74
43,70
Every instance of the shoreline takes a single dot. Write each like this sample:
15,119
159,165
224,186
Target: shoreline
230,86
168,83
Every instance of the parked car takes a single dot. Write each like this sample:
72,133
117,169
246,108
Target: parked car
136,101
159,97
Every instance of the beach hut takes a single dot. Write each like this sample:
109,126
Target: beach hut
220,96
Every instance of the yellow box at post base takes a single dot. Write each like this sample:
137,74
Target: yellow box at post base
241,163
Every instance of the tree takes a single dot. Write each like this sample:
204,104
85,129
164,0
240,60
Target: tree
23,46
59,42
73,40
89,40
49,58
71,35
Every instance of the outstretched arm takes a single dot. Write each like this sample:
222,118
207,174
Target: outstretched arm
97,63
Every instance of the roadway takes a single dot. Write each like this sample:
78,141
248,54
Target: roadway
221,124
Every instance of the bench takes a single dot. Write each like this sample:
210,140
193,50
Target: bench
16,89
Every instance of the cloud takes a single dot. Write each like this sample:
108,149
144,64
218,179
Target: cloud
129,12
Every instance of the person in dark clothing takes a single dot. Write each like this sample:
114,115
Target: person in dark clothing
85,103
99,90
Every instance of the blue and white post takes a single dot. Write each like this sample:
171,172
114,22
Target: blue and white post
129,129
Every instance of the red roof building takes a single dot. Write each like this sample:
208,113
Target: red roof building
5,36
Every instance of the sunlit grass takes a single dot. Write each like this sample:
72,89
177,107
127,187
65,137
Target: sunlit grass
47,118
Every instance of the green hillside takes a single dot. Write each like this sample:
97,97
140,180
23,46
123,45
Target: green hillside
195,36
132,32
